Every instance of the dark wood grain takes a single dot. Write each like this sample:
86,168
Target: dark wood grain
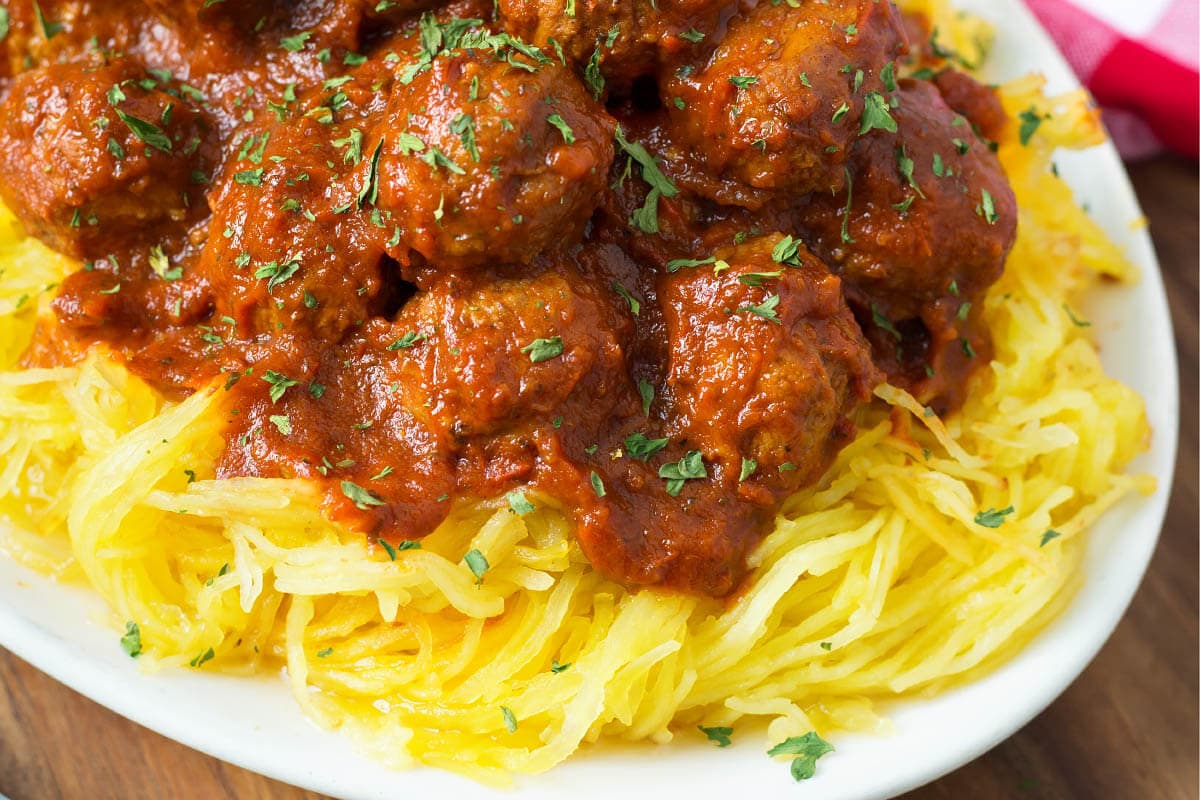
1126,729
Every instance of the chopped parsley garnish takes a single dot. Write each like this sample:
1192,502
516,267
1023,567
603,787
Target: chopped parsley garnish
987,208
282,423
992,518
478,564
759,278
676,264
518,503
199,660
510,719
544,349
294,44
391,551
1076,321
49,29
906,165
362,498
876,115
597,485
765,309
557,121
369,192
883,323
743,81
464,127
786,251
407,340
635,306
749,467
1031,120
1049,536
718,736
276,273
557,668
280,383
646,390
690,467
148,132
131,642
650,170
592,75
806,749
638,446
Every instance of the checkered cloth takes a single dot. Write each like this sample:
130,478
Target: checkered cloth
1140,60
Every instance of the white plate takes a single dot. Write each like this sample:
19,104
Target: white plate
255,723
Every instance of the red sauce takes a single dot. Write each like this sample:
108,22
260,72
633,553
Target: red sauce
647,258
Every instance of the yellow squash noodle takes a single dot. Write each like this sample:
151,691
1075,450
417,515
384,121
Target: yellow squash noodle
875,584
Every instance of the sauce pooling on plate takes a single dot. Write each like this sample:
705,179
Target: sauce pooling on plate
647,258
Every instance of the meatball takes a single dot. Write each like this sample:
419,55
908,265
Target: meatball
627,39
777,104
920,235
271,257
485,163
766,361
90,159
485,356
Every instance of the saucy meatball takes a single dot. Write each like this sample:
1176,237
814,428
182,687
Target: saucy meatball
270,256
485,163
766,361
926,232
623,40
90,158
485,355
777,104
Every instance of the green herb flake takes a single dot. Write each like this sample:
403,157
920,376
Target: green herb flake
637,445
992,518
478,564
131,642
1049,536
807,749
557,121
597,485
294,44
280,383
718,736
766,309
646,390
518,503
362,498
1076,321
876,115
676,264
749,467
690,467
1031,120
148,132
199,660
544,349
510,719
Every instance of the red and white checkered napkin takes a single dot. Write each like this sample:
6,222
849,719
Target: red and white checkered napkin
1140,60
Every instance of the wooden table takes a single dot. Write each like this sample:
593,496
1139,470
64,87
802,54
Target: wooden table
1126,729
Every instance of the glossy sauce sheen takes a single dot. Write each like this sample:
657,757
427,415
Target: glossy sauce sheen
646,258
